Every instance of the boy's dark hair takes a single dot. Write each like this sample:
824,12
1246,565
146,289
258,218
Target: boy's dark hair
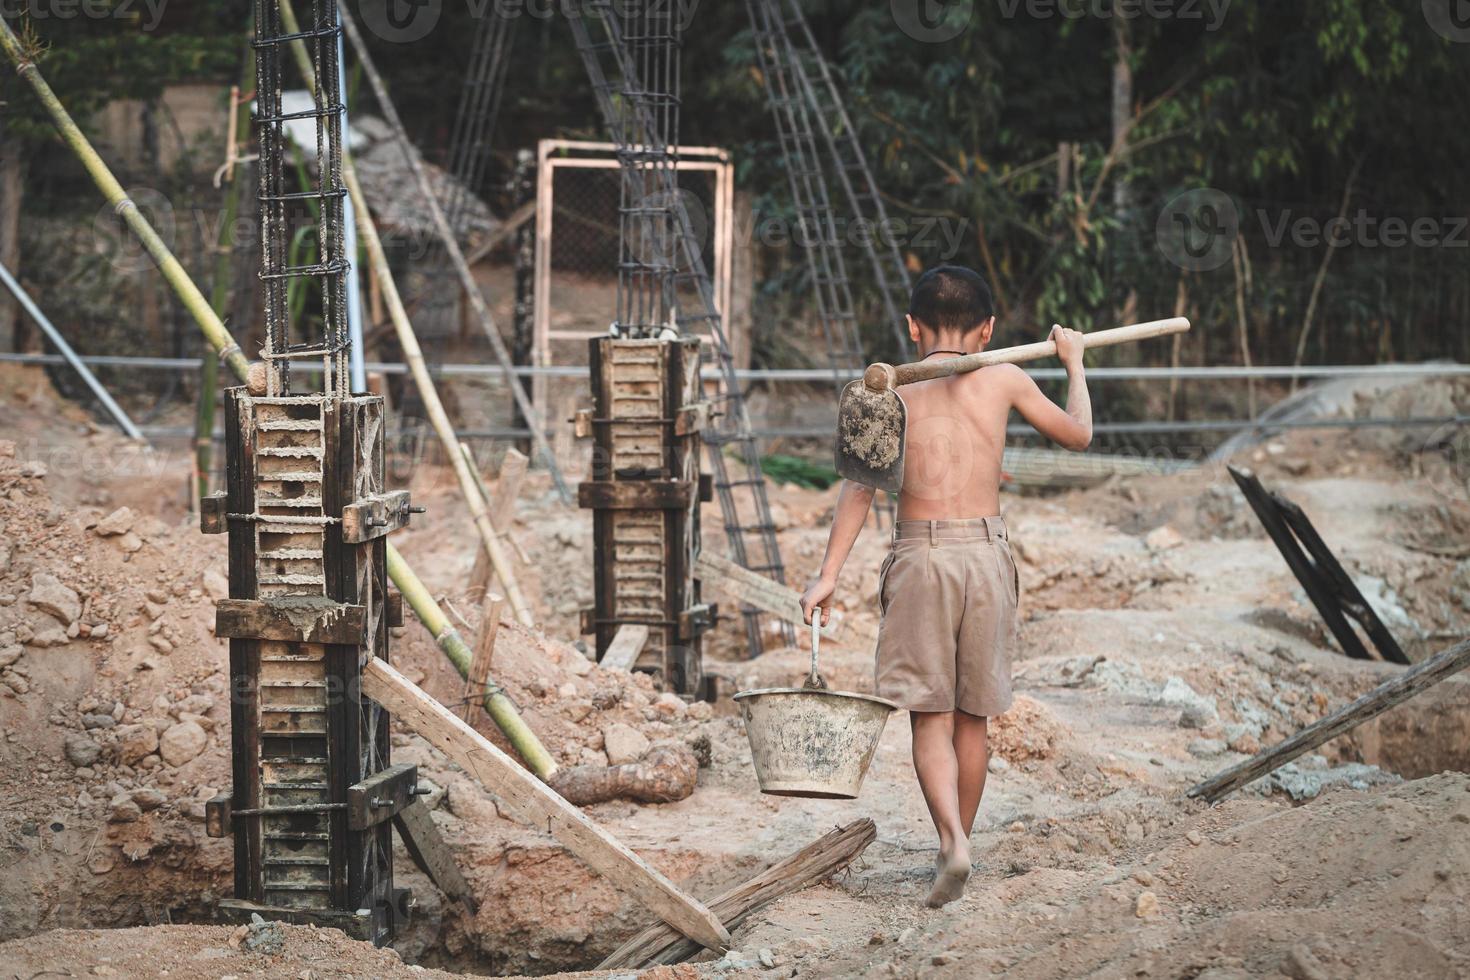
951,297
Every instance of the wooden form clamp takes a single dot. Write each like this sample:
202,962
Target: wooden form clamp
381,796
376,515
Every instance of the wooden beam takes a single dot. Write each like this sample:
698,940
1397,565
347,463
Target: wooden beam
627,643
478,675
381,796
507,489
298,619
809,866
375,516
1374,703
538,806
430,852
768,595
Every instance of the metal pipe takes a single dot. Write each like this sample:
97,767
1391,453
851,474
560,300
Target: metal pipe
798,375
70,355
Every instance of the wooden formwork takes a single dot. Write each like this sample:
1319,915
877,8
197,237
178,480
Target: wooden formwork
645,493
307,516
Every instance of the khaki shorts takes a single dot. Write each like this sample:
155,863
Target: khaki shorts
948,592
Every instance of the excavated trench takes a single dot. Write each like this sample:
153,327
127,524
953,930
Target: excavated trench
1423,736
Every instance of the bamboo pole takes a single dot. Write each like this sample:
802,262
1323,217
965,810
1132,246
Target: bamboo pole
497,703
456,255
413,355
414,592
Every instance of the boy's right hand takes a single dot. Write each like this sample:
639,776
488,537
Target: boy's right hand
817,594
1070,345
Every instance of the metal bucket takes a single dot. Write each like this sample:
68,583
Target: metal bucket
812,743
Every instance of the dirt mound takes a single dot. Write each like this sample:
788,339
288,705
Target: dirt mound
299,952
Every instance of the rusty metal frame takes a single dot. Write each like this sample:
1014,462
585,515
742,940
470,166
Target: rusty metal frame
602,156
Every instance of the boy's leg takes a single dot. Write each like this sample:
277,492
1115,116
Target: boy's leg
972,757
939,774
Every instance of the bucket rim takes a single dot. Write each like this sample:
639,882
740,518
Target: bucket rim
890,705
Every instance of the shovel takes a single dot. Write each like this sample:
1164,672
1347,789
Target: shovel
871,417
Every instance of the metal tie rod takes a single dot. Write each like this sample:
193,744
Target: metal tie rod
71,356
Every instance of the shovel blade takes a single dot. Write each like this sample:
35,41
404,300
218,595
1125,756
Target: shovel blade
870,437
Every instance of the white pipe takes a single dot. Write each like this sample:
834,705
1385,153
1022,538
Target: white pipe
70,355
356,369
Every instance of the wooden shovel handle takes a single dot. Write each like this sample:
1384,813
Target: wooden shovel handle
880,377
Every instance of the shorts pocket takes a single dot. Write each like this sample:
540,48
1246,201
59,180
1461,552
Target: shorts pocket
1015,575
883,583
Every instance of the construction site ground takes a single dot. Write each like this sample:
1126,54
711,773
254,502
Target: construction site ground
1163,639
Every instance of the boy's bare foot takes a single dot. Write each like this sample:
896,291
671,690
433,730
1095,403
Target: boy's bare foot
950,878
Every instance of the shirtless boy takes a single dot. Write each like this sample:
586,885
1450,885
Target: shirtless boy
948,590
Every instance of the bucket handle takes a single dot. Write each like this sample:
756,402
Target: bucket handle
814,681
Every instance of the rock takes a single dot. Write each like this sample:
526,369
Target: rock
129,542
203,722
134,742
48,636
1206,748
1246,744
1177,694
1163,539
1017,828
216,585
122,809
119,521
768,960
1197,716
182,742
147,798
99,631
700,710
670,705
1195,838
10,654
1147,905
623,743
15,682
94,721
53,598
80,750
998,764
1301,963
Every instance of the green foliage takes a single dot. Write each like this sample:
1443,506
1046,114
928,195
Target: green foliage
797,471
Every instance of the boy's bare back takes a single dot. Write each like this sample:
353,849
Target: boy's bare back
956,437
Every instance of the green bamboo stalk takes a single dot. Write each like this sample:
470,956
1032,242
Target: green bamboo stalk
412,354
124,207
415,594
497,702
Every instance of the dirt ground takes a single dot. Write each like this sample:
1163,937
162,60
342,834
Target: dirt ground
1162,639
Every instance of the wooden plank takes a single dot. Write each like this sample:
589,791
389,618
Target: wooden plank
539,807
381,796
375,516
295,619
1395,691
358,925
809,866
479,673
430,852
634,494
768,595
622,652
507,488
